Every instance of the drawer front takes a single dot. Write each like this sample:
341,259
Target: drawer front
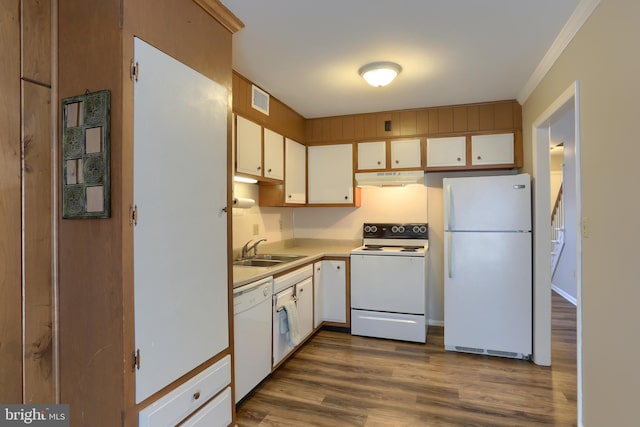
181,402
216,413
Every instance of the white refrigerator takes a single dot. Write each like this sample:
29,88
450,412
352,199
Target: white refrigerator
488,277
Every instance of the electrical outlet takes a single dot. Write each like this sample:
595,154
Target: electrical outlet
585,227
256,229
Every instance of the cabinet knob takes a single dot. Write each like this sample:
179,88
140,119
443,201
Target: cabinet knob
196,395
479,157
459,159
259,167
289,195
346,197
338,267
397,161
379,162
269,170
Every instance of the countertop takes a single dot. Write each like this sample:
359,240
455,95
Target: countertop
312,249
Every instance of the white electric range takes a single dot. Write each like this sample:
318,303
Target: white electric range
389,292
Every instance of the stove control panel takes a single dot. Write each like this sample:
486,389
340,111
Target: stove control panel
395,231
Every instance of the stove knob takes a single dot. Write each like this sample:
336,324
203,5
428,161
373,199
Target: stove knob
367,229
394,229
416,229
423,228
400,229
373,229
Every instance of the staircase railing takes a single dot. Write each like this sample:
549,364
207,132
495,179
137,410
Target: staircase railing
557,229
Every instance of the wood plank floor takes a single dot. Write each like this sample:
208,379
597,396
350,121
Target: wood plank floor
340,380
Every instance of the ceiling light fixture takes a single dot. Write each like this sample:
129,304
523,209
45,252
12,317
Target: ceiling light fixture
379,74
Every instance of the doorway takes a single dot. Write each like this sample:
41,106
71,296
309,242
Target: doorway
541,138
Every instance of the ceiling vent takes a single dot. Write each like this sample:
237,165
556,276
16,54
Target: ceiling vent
259,99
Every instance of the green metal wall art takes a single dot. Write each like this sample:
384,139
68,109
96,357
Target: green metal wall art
85,156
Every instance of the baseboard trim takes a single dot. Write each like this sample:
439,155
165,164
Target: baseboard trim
564,294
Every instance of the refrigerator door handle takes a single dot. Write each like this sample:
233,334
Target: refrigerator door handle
449,263
448,209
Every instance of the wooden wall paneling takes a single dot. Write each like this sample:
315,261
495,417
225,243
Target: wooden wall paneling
473,118
460,119
517,115
503,115
433,121
37,184
348,128
370,129
359,126
485,117
90,261
445,120
36,41
408,123
396,124
518,150
10,211
335,129
422,122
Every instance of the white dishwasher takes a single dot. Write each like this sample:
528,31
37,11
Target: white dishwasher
252,334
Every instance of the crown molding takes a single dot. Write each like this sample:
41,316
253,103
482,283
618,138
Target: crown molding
221,14
577,19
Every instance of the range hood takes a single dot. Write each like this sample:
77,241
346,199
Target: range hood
383,179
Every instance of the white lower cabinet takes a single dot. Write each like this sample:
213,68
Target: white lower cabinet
185,400
331,294
318,298
216,413
304,303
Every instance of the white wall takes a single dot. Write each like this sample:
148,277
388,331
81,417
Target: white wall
274,224
602,58
386,204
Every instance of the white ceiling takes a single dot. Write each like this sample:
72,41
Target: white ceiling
307,53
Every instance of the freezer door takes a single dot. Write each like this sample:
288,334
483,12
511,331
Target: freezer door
492,203
487,292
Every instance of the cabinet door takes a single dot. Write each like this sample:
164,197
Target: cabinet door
180,239
273,155
304,294
406,154
248,147
331,174
334,286
318,297
492,149
442,152
372,155
295,172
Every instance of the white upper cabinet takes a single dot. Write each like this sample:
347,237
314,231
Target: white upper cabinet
295,172
331,174
406,154
372,155
248,147
443,152
273,155
492,149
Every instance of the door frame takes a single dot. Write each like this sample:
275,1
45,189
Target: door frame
542,227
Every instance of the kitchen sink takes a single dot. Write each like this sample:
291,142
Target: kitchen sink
277,257
266,260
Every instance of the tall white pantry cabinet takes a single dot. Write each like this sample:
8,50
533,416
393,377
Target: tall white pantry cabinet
180,231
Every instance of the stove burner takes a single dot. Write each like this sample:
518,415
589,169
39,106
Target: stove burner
372,248
411,248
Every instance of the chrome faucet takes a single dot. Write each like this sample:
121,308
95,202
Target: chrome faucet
246,248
